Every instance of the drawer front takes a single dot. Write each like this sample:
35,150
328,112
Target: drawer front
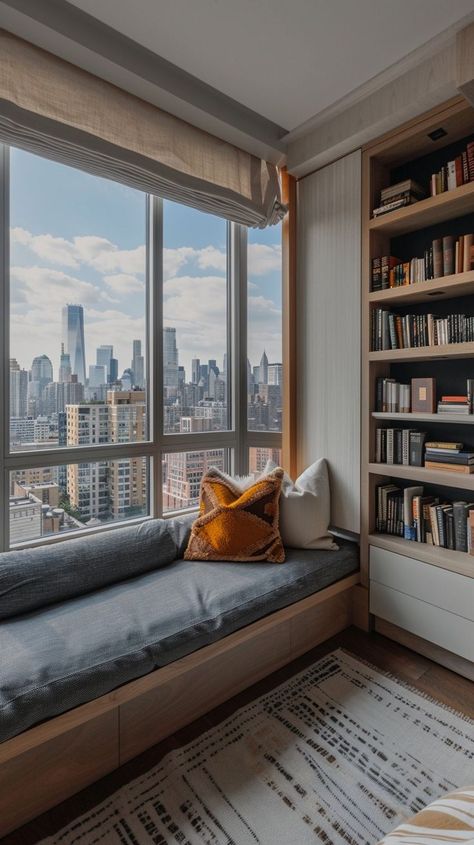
454,633
433,585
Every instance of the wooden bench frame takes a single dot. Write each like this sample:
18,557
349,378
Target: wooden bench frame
52,761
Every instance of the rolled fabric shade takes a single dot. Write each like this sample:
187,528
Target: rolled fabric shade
55,109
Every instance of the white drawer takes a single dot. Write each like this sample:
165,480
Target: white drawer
433,585
454,633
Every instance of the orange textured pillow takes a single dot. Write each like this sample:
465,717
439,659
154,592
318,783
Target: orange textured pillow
237,524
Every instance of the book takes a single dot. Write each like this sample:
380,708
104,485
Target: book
392,206
417,439
468,244
465,458
460,512
461,468
409,493
444,444
438,263
423,395
448,255
400,187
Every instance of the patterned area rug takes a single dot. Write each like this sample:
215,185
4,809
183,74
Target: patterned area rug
339,754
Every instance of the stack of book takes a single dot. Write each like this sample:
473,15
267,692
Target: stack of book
454,173
442,257
449,456
399,446
456,404
399,195
391,396
393,331
410,514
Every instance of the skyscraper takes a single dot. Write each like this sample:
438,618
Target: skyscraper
41,375
263,369
18,389
195,370
73,339
97,375
275,374
170,360
64,366
138,364
104,355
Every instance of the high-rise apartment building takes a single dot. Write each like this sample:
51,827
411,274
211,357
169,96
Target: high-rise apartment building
128,476
87,484
73,339
182,475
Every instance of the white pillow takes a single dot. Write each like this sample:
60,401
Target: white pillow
305,508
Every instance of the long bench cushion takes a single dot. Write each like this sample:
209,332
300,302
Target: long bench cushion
70,653
36,577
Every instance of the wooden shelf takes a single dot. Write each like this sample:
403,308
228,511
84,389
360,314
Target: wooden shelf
444,478
426,212
462,419
459,562
425,353
447,287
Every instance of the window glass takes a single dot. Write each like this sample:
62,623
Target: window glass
47,501
264,330
77,314
195,377
182,474
258,457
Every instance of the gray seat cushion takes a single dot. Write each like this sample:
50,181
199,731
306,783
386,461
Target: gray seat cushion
70,653
37,577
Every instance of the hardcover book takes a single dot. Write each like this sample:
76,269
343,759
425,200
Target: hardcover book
423,395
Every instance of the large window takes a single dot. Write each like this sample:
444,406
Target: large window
129,329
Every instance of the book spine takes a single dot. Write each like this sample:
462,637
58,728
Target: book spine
438,258
460,526
448,255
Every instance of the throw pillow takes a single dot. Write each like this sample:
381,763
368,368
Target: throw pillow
235,523
305,508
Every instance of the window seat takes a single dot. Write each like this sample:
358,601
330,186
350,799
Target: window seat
112,642
73,651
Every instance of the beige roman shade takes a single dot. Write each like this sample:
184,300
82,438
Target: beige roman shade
57,110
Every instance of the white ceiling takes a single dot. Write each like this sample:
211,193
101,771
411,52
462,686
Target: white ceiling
285,59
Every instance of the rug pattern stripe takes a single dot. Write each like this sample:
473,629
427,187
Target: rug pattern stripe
338,755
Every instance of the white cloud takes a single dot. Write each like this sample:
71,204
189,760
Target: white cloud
91,250
211,258
263,259
175,259
125,284
47,247
41,286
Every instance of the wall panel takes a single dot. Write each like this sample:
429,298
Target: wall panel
328,330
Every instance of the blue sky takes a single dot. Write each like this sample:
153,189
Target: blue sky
78,238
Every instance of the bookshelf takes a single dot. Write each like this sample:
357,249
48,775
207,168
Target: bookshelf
406,153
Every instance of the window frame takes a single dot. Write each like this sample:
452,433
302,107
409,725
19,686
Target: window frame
237,440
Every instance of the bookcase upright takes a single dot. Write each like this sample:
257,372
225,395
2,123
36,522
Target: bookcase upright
419,594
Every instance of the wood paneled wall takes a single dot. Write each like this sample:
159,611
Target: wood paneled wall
328,330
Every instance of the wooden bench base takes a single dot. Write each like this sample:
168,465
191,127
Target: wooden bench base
50,762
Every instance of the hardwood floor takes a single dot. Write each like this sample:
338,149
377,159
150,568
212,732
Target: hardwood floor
418,671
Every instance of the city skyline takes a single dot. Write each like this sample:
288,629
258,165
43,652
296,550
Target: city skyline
93,251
